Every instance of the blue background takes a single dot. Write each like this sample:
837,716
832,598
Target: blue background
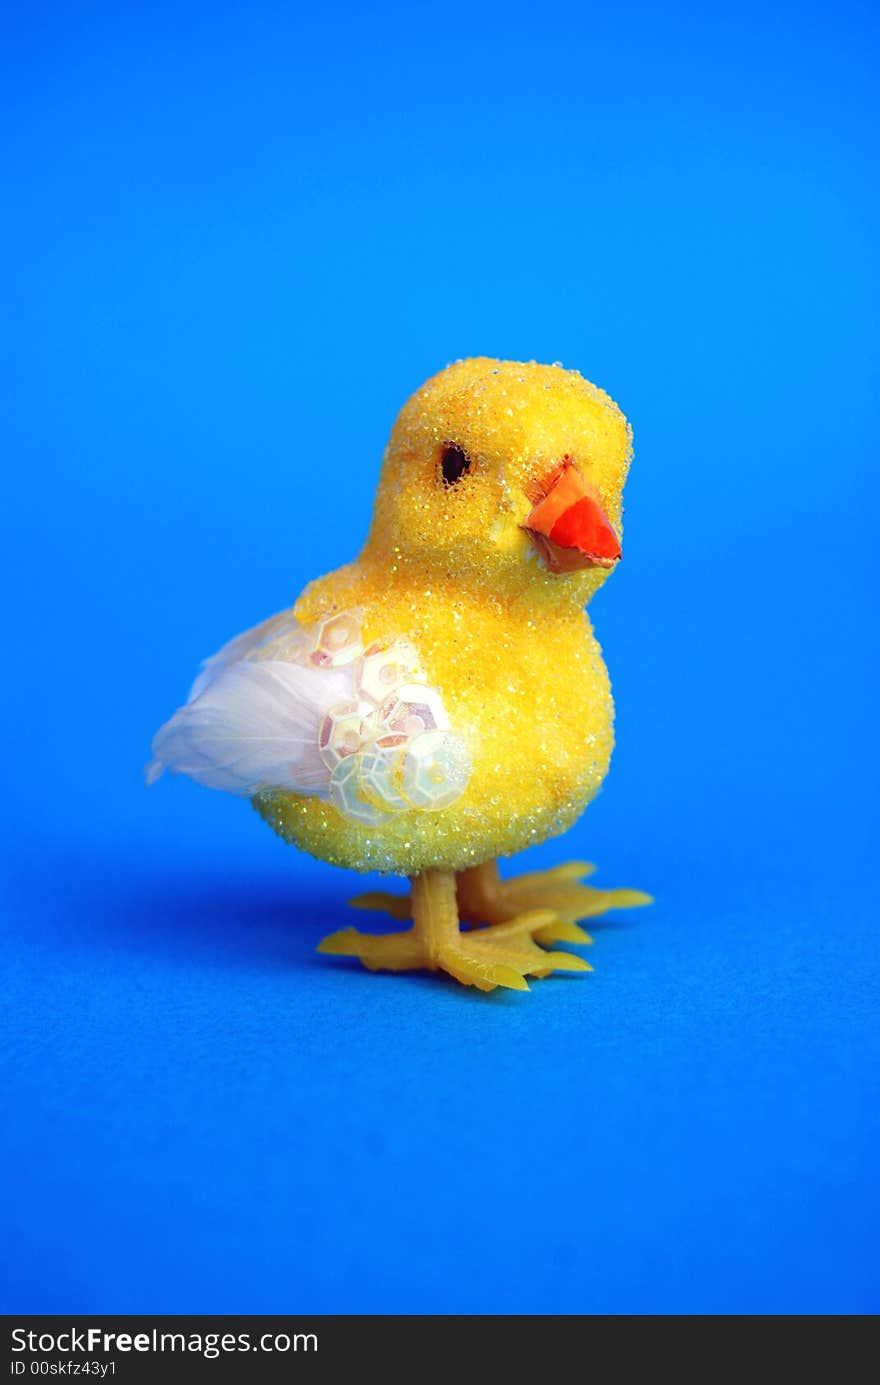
235,241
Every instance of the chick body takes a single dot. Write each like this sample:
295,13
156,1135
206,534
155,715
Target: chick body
505,641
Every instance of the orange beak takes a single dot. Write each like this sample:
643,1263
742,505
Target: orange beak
568,525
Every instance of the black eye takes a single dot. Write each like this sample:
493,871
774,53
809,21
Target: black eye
455,463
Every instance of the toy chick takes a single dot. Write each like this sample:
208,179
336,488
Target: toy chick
442,701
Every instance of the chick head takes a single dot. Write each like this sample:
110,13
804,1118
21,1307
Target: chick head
508,476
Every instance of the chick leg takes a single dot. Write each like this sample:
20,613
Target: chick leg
484,958
483,897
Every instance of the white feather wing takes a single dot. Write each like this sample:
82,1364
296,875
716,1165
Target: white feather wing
254,726
310,710
241,647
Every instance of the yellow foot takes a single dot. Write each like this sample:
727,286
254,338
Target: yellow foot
483,897
501,955
483,957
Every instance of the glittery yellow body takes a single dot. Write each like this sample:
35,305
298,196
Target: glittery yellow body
507,643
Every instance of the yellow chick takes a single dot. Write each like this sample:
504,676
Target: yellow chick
442,701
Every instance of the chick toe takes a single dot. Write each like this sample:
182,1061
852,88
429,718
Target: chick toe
398,906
